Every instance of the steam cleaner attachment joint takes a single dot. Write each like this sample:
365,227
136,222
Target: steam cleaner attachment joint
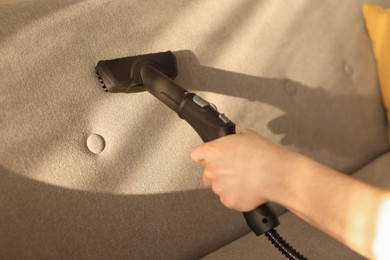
155,73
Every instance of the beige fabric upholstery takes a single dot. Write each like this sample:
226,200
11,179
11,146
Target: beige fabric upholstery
306,239
310,242
86,174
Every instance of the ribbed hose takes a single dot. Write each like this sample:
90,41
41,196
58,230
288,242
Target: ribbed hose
283,246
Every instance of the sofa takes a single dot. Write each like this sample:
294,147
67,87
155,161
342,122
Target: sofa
86,174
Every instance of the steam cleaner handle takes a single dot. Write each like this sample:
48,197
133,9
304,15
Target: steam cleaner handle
210,125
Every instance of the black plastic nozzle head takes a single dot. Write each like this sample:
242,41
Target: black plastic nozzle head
123,74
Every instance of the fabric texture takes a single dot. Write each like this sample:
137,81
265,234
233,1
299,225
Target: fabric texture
378,25
307,240
86,174
310,242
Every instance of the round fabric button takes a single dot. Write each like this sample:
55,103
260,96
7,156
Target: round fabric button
96,143
348,70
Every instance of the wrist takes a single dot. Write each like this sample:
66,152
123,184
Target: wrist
281,184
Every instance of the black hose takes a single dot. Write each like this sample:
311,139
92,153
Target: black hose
283,246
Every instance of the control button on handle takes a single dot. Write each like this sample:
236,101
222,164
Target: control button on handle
200,101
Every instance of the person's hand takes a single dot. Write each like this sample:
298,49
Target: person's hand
243,169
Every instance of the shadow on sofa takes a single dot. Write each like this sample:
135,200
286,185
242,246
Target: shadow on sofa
312,114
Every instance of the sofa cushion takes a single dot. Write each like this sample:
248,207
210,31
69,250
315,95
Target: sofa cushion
307,240
300,73
378,25
310,242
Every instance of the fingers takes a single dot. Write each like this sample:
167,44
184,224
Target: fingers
211,174
206,180
197,154
217,188
209,156
246,131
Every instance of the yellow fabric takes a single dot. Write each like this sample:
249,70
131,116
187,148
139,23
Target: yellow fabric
378,25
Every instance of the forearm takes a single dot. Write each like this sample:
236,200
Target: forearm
339,205
246,170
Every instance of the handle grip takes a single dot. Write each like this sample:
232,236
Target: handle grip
210,125
204,119
261,219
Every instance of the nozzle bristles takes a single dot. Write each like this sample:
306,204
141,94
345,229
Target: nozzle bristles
101,81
